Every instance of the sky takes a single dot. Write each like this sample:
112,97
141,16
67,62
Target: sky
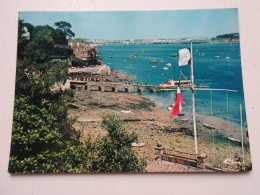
124,25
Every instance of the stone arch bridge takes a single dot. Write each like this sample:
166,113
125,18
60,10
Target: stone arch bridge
114,87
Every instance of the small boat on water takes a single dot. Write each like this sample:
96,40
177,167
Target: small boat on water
154,66
227,58
110,56
168,64
152,61
162,61
197,50
172,83
165,68
132,56
208,126
217,56
174,55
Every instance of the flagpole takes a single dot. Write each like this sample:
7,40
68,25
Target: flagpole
193,103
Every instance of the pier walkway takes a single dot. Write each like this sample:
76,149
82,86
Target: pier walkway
114,87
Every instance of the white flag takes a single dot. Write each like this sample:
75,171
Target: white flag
184,57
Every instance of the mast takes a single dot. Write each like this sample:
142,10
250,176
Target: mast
242,138
193,102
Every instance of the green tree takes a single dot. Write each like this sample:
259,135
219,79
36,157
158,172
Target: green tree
33,135
38,146
36,105
76,62
114,151
40,48
66,27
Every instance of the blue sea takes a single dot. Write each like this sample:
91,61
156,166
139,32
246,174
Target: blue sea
212,70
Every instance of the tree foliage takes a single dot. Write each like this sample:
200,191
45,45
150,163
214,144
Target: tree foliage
115,151
43,137
65,26
76,62
227,36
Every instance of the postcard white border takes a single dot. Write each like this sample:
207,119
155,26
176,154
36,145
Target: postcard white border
130,183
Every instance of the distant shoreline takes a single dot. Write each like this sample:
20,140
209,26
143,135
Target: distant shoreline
165,43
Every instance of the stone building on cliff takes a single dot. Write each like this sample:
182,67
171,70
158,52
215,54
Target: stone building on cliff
85,51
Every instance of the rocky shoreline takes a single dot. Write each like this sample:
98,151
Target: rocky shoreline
153,125
96,73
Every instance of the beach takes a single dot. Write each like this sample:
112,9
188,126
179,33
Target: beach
153,125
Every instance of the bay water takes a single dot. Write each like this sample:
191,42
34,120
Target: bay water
219,68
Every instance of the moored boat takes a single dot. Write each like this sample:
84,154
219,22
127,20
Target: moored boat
234,139
152,61
137,144
208,126
126,111
132,56
165,68
172,83
174,55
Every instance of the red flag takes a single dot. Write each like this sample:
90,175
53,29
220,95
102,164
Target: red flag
177,106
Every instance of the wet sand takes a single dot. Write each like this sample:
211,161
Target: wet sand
153,125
